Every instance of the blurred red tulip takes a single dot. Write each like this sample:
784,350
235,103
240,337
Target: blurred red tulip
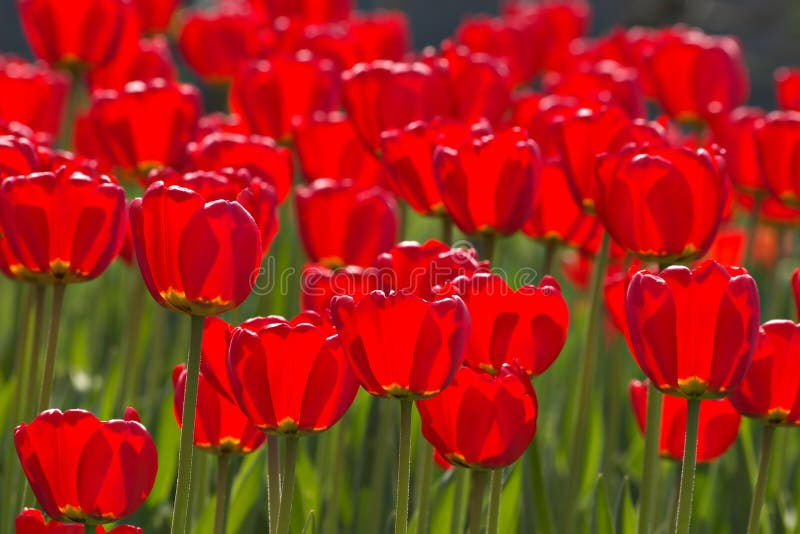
221,427
62,227
778,139
488,183
31,521
259,155
385,95
421,269
215,255
771,387
341,224
728,246
787,88
661,203
408,154
736,133
482,421
717,430
381,34
57,31
289,377
400,345
269,94
506,38
155,15
83,469
528,325
328,147
693,332
151,59
145,125
631,47
33,94
319,284
17,156
310,11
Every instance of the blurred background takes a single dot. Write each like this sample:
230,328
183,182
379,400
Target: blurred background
768,29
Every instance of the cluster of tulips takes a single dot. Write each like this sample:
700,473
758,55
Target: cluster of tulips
518,123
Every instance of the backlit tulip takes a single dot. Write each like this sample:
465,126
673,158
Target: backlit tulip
778,139
771,387
661,203
787,87
62,227
488,183
155,15
215,254
31,521
33,94
482,421
400,345
717,431
506,38
310,11
290,377
693,332
341,224
319,284
528,325
17,156
86,470
151,59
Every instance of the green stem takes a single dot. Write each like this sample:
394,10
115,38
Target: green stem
761,482
650,477
541,504
457,514
476,501
89,529
153,380
287,492
494,501
76,99
273,481
752,227
223,466
337,462
403,468
684,514
180,512
550,250
447,230
587,363
424,486
489,245
52,343
130,377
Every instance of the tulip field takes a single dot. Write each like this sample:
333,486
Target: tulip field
268,267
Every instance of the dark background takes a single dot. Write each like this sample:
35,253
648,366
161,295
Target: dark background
768,29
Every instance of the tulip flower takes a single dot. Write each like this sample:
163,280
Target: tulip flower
311,11
18,155
319,285
31,521
151,59
787,88
718,430
269,94
528,325
155,15
503,38
56,31
33,94
85,470
778,141
340,224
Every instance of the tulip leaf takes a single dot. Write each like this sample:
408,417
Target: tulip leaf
603,522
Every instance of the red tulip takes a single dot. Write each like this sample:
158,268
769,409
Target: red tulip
259,155
270,94
32,94
319,284
408,154
289,377
528,325
695,74
787,88
385,95
57,31
693,332
215,252
83,469
341,224
717,429
221,427
736,133
728,246
482,421
422,269
771,387
380,34
17,156
155,15
328,147
506,38
151,59
146,125
487,183
400,345
62,227
31,521
311,11
660,202
778,139
217,43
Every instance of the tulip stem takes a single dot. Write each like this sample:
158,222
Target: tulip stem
180,512
273,481
550,249
761,482
424,486
403,468
752,228
52,343
457,515
130,377
476,500
686,492
489,242
542,517
89,529
494,501
447,230
287,491
223,467
333,499
587,361
651,461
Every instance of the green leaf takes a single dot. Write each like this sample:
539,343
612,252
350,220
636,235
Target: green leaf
603,522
